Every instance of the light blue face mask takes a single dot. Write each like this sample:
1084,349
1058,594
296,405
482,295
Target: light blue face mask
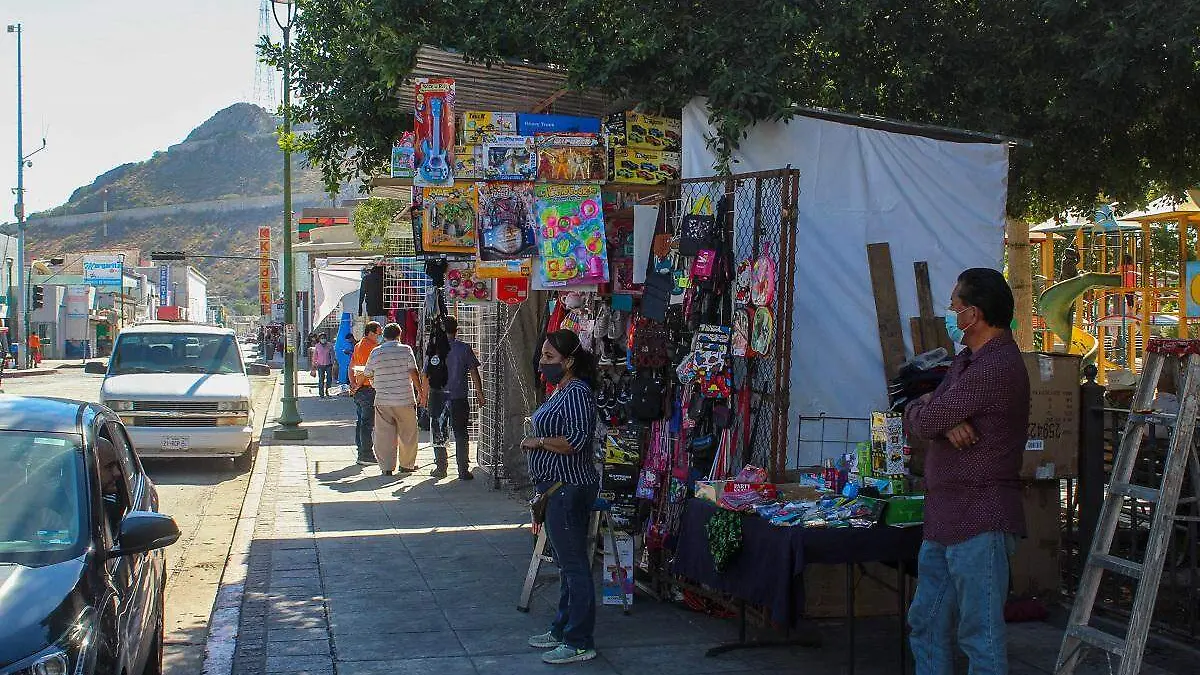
956,334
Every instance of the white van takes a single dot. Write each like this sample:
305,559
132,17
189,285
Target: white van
182,391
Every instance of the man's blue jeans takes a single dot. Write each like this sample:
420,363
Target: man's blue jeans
568,519
967,583
364,428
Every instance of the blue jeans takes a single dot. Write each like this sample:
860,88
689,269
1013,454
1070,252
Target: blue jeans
324,379
364,428
568,517
447,414
967,583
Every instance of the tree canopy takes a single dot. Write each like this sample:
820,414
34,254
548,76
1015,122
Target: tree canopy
1104,90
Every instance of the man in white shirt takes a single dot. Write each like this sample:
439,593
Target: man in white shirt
393,367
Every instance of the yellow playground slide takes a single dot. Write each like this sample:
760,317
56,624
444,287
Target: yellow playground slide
1056,302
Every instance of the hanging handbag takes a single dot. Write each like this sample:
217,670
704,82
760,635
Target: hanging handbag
698,229
540,501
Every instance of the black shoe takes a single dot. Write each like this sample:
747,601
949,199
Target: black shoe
466,475
405,469
389,473
438,473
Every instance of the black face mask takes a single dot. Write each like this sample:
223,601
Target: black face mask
553,372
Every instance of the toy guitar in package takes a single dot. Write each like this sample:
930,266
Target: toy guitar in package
506,229
434,120
449,218
570,235
509,158
571,157
404,156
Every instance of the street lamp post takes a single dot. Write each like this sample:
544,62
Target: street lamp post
289,417
19,212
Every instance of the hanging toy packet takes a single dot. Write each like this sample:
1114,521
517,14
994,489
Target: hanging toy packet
570,235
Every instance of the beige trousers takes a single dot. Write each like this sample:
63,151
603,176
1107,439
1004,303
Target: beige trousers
396,436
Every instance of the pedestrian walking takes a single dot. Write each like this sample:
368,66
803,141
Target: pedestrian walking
321,354
561,466
975,425
393,368
362,390
35,349
447,391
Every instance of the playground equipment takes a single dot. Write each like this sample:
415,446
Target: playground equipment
1056,304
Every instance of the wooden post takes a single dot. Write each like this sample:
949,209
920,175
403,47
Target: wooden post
1020,278
887,308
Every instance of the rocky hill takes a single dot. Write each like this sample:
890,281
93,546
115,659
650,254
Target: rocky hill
229,159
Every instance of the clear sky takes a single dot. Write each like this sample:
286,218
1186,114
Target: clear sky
111,82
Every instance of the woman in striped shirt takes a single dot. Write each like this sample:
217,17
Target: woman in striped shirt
560,453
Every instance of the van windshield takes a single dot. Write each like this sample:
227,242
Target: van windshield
175,353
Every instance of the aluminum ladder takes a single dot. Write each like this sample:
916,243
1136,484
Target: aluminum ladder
1180,457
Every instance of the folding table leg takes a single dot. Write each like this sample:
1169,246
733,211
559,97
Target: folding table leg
901,597
850,618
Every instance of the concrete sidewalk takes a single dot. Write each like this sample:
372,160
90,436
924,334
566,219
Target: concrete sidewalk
354,573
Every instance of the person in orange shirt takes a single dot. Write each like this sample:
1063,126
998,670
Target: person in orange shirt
35,349
362,390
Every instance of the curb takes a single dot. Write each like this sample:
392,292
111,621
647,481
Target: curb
28,373
221,642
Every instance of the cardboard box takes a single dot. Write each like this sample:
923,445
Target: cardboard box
649,132
825,591
617,577
620,478
468,162
530,124
1052,450
710,490
479,126
642,167
1036,567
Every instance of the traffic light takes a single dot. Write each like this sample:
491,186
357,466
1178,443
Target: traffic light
167,255
39,297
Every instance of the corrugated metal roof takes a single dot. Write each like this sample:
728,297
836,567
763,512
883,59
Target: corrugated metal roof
504,87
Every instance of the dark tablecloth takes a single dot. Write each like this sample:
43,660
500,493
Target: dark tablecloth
769,569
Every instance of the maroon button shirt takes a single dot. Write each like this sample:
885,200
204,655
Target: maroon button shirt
976,489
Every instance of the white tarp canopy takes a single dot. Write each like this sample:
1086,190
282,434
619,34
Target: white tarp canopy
932,200
330,287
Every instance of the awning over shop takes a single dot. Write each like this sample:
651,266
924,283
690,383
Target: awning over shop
330,286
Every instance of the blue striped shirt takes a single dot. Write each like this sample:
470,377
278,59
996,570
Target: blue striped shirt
569,413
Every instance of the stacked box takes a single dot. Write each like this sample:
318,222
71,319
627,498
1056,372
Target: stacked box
478,127
642,167
632,129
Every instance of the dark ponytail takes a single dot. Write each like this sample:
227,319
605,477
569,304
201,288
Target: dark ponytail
567,343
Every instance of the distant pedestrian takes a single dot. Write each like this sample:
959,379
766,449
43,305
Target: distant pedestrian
447,391
393,367
363,392
322,360
35,349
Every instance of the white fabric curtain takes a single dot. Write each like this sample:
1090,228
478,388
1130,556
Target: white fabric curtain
931,200
330,287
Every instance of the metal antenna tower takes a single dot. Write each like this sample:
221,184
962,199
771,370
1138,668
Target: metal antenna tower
264,75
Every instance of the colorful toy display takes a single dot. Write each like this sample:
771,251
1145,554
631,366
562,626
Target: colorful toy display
468,162
449,218
509,158
640,166
570,235
433,115
571,157
404,156
506,239
650,132
462,283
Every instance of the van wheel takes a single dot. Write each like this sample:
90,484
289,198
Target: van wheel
244,461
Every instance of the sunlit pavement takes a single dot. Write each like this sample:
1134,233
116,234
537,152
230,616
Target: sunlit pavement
356,573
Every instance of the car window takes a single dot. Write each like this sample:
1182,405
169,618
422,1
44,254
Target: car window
175,353
41,505
129,463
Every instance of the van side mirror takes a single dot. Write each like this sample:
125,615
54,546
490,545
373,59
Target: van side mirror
95,367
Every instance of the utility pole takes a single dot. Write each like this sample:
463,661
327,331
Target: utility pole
19,211
289,417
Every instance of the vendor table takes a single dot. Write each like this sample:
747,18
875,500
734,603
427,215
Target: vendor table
770,567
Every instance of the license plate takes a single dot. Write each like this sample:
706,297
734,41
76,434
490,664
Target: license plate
175,443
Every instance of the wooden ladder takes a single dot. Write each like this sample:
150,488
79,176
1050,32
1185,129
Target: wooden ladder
1180,457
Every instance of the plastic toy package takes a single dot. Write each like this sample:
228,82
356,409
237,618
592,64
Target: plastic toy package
509,158
449,218
433,117
570,235
571,157
464,284
507,239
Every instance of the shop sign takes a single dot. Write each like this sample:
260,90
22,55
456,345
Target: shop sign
164,284
264,270
77,301
102,268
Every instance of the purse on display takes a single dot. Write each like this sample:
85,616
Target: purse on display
698,229
656,295
646,398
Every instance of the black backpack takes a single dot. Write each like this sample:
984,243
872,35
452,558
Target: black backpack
646,398
436,352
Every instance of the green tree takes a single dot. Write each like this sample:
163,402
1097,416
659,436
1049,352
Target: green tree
373,217
1105,90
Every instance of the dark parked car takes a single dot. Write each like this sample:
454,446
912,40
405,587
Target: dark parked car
82,573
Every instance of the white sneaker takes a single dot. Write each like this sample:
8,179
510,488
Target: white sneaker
544,641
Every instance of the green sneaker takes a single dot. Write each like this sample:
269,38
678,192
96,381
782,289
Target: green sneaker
568,654
544,641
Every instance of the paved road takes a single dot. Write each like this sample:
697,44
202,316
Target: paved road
203,495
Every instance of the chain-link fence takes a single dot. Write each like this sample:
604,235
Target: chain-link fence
757,212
